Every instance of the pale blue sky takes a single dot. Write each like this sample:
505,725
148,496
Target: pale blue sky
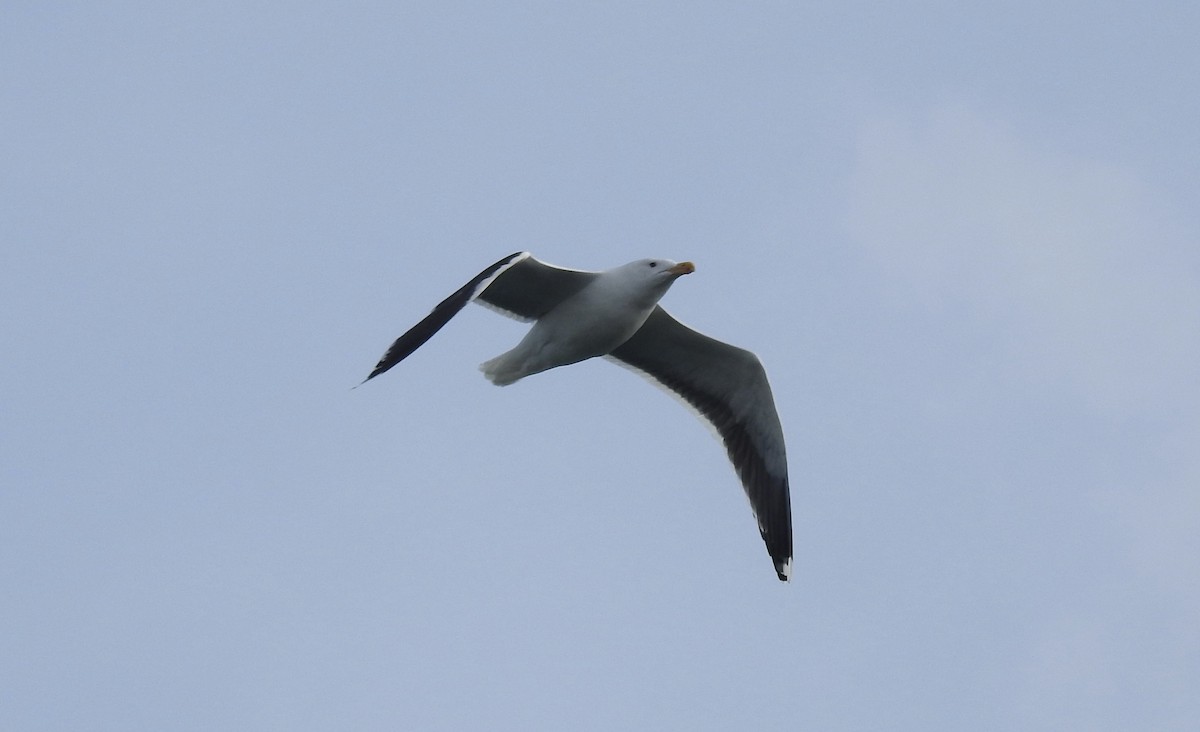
963,240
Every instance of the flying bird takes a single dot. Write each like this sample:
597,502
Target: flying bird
579,315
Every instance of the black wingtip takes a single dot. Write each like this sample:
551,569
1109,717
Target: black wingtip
379,369
783,569
416,336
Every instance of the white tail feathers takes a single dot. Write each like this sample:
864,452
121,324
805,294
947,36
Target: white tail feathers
503,369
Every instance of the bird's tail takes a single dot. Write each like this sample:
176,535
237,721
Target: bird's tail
504,369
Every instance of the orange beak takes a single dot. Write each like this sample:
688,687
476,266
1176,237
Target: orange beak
682,268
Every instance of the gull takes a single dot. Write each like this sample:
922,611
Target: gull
578,315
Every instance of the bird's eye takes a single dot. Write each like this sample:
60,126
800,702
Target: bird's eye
653,264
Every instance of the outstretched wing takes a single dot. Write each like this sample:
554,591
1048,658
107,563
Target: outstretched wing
518,285
728,389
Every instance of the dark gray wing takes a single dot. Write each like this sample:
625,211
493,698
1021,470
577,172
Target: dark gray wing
530,288
728,388
518,285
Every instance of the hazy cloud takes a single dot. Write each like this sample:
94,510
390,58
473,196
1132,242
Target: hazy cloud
1087,286
1083,275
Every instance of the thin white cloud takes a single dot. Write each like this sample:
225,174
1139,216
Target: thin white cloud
1072,260
1086,287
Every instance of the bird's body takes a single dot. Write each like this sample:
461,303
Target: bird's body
592,322
615,313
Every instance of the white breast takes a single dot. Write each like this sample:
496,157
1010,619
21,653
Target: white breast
592,323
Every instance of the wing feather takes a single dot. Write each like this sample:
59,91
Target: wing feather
728,388
518,285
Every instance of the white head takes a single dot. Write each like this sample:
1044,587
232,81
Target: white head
647,280
655,275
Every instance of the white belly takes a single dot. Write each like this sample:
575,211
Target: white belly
591,324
